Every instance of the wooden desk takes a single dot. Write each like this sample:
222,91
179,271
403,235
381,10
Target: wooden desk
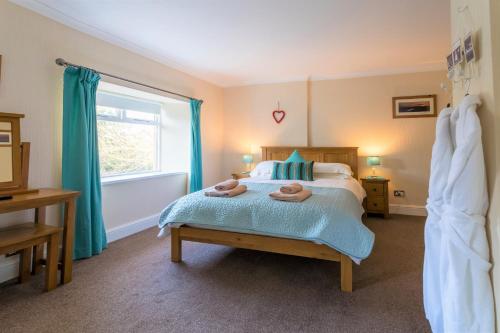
39,201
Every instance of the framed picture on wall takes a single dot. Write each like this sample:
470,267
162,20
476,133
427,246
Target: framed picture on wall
470,55
457,52
414,106
449,61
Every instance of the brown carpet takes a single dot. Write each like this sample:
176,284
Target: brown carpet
133,287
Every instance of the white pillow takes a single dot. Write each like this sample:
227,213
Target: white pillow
331,176
264,168
331,168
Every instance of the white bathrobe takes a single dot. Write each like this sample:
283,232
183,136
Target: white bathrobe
442,152
465,288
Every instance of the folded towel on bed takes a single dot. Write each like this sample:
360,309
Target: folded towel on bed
226,185
296,197
291,188
229,193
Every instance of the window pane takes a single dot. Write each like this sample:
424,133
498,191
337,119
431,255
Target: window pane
107,111
127,147
142,116
127,102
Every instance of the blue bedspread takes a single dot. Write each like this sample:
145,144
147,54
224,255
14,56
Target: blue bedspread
331,216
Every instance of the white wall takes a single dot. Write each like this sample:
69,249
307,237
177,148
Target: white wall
121,206
175,137
249,123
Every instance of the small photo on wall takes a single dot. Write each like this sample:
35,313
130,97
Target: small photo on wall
449,61
414,106
470,55
457,52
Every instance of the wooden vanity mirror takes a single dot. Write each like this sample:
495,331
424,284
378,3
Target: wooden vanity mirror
14,156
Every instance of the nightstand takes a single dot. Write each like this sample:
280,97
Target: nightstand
239,175
377,196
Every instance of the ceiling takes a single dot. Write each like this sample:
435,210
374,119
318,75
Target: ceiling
238,42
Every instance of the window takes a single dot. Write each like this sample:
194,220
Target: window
128,133
141,134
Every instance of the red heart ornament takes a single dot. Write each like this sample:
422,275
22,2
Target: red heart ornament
279,115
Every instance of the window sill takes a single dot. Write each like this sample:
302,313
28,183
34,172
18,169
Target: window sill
137,177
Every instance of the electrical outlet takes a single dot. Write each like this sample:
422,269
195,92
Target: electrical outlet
399,193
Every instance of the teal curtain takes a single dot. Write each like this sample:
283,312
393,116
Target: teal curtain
80,159
196,181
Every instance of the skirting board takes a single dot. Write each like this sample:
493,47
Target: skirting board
408,210
131,228
9,267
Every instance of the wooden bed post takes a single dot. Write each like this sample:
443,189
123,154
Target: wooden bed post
176,245
345,273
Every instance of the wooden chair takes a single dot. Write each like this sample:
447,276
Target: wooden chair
22,237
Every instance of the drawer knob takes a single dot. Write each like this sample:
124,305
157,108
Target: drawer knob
374,190
375,204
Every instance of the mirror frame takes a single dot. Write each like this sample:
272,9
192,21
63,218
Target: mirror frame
15,130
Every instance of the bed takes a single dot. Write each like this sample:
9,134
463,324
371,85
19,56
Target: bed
251,220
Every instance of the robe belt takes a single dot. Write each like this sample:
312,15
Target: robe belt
434,208
450,215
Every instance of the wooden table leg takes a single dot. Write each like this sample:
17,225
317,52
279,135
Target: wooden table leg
175,245
38,249
68,239
52,261
345,273
24,265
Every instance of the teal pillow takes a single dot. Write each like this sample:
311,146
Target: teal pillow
301,170
280,171
295,157
293,170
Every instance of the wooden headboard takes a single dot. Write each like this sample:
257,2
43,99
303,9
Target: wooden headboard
346,155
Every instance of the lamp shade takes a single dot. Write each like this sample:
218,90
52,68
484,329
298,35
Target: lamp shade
373,160
247,159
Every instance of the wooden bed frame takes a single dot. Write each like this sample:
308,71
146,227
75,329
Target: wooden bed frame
347,155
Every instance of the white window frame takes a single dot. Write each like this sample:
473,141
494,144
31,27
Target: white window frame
122,118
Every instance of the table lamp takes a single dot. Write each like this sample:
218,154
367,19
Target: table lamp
247,159
373,161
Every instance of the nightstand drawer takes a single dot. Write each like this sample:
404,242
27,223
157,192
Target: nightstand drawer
376,204
374,189
239,175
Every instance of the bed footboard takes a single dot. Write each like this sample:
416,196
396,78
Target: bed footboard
262,243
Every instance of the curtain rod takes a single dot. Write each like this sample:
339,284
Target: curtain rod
62,62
